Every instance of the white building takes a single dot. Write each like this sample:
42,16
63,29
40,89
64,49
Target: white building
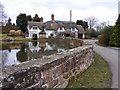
54,27
34,28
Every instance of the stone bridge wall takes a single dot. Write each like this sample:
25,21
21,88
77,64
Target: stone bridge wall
54,71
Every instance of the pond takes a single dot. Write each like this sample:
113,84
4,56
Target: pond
16,53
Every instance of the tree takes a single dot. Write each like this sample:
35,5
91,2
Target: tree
106,32
91,21
13,24
22,22
3,16
84,24
100,26
36,18
92,33
29,18
115,37
9,22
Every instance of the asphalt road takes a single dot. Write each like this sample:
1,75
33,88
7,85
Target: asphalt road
111,56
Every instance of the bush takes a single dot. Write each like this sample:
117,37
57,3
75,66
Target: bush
115,37
101,39
104,38
12,32
88,37
92,33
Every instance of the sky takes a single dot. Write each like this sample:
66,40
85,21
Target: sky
103,10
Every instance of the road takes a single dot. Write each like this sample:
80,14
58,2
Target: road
111,56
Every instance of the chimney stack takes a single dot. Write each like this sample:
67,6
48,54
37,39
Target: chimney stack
41,19
52,17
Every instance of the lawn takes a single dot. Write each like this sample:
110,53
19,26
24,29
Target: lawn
96,76
3,36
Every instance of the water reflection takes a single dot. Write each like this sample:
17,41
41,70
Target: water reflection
13,54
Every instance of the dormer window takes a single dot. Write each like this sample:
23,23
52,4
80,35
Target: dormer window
35,27
61,28
73,29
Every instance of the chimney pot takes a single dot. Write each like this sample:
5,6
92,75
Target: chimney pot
41,19
52,17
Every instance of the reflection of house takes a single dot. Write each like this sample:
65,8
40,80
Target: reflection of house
34,46
54,28
37,50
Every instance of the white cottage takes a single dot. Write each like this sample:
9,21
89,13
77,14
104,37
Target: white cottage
54,27
34,29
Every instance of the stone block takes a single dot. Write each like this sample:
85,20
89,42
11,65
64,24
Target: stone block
66,75
57,71
53,83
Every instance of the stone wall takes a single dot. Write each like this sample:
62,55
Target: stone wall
52,71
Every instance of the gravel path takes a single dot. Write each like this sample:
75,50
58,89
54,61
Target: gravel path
111,56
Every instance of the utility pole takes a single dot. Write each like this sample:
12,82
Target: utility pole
118,8
70,18
108,23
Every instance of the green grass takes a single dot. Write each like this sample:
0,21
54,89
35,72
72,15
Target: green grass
96,76
100,44
3,36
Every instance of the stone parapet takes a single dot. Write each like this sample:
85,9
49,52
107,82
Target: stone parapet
54,71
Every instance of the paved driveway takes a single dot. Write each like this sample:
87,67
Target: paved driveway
111,56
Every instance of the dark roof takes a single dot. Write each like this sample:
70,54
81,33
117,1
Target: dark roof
51,25
67,31
39,24
67,24
55,24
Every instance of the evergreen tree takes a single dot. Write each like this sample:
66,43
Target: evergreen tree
107,32
115,37
22,22
36,18
9,22
29,18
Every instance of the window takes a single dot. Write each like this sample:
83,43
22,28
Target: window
35,28
61,28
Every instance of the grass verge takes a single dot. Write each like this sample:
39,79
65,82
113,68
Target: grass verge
96,76
3,36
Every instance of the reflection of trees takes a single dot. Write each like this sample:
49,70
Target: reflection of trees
22,55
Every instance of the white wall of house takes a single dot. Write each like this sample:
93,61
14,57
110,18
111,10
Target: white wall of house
83,36
75,31
50,33
33,30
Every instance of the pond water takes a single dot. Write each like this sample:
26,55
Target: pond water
16,53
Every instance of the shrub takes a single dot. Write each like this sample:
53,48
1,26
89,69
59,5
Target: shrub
92,33
101,39
12,32
104,38
115,37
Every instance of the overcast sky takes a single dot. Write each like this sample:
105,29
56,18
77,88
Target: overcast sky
104,10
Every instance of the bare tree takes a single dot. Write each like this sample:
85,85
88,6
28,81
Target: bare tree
100,26
3,16
92,21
